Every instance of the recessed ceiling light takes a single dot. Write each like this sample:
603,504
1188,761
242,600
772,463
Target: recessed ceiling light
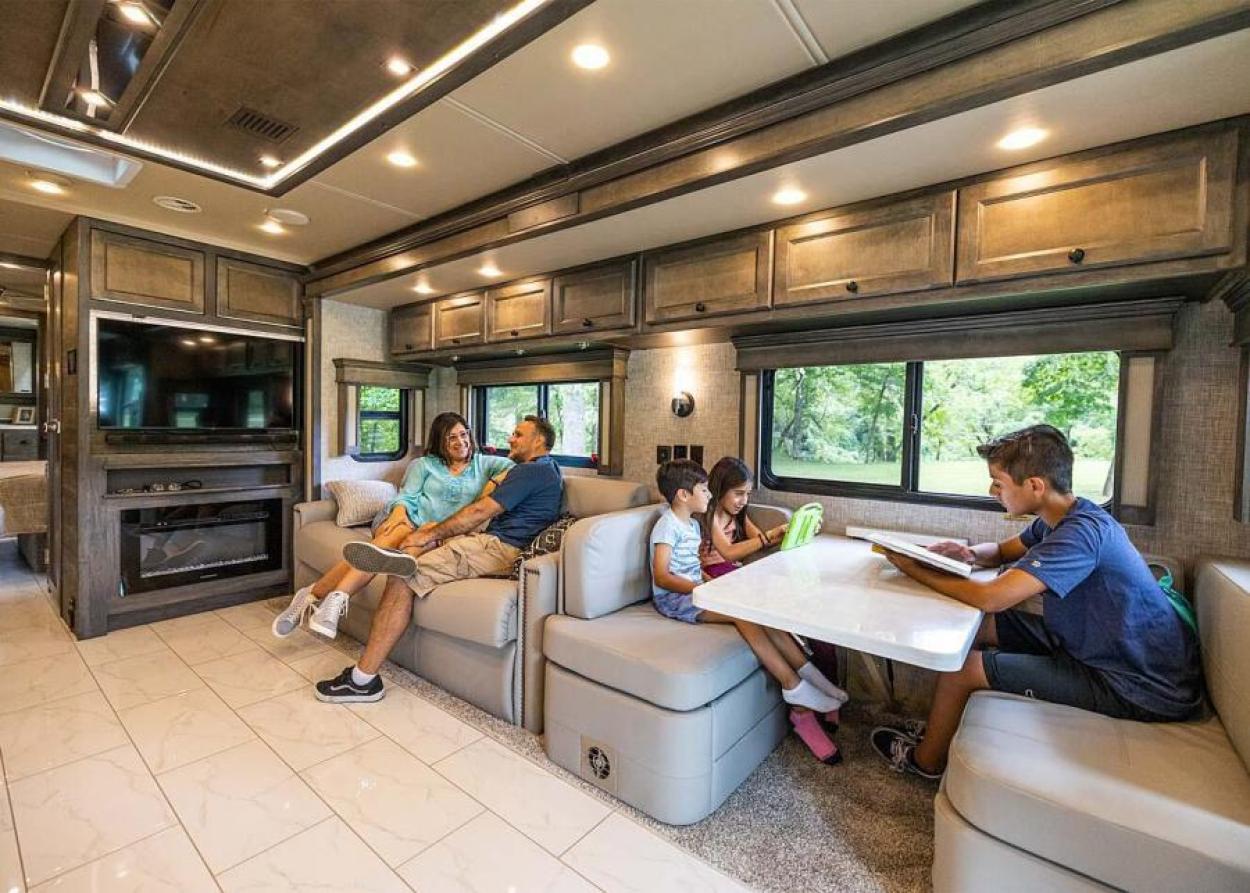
400,158
590,56
270,162
273,227
789,196
423,288
48,184
187,342
8,266
398,67
288,216
173,203
94,97
135,12
490,270
207,339
1022,138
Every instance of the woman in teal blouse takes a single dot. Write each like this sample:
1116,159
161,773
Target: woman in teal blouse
450,475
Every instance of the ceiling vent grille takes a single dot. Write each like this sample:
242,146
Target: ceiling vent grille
261,125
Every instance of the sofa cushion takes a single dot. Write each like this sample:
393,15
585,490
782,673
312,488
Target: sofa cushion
320,544
359,501
605,562
1222,597
482,610
679,666
585,496
1161,806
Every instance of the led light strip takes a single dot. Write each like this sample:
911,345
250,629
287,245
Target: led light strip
412,86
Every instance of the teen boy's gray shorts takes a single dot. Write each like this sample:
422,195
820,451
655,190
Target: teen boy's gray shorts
1029,662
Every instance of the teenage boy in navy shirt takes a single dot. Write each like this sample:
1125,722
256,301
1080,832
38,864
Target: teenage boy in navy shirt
1108,639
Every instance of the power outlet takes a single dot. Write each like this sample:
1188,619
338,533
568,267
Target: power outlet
696,452
680,451
663,454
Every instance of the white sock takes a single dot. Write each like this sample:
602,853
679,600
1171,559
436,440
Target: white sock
362,679
809,672
807,695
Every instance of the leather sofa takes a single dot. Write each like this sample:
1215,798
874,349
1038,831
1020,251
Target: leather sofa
1042,797
479,639
669,717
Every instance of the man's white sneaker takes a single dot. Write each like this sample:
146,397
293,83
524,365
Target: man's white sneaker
325,620
288,621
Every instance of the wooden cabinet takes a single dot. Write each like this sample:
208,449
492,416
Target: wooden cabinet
19,445
519,310
459,321
901,247
596,300
1167,200
140,271
709,279
258,294
412,328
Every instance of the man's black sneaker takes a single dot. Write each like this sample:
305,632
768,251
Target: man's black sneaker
376,560
897,749
342,690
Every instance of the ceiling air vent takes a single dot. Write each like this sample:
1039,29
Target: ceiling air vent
261,125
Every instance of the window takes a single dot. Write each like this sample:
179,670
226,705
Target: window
571,407
910,430
381,420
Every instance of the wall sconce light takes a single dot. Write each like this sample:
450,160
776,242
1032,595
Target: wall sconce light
683,404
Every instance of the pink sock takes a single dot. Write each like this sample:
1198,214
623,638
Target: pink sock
809,730
834,717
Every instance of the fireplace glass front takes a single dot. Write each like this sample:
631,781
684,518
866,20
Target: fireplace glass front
166,547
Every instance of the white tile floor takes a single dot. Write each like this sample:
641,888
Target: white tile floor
191,755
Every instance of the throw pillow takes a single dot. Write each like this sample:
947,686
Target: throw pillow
359,501
550,540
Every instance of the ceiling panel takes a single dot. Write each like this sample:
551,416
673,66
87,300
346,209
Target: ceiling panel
27,40
29,230
1203,82
459,158
230,215
843,26
669,60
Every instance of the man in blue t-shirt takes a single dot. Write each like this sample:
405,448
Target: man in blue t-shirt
1108,639
522,506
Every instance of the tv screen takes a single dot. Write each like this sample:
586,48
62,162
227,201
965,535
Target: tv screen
165,377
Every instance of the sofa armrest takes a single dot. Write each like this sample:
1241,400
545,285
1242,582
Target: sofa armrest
767,516
537,591
317,510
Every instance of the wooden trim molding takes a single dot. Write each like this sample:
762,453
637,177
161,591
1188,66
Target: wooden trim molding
383,375
584,366
1127,325
1241,494
1234,290
967,60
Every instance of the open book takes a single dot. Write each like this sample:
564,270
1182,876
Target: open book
888,543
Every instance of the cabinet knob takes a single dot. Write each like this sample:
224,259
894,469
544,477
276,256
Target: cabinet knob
588,323
700,307
455,340
407,347
852,286
1076,255
514,333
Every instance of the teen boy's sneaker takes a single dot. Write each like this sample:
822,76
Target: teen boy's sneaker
325,620
909,728
376,560
289,620
899,751
342,690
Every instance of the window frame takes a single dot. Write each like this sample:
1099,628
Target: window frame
481,399
402,416
906,491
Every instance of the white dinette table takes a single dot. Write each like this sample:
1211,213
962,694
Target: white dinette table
838,590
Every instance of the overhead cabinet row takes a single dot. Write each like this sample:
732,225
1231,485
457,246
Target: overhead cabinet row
132,270
1163,200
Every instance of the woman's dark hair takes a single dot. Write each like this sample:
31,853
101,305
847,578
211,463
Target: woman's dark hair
726,474
436,442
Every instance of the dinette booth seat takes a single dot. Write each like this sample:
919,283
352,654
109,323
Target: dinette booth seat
669,717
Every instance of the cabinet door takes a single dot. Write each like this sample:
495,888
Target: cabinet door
20,445
256,293
412,329
138,271
901,247
713,278
595,300
459,321
522,310
1168,200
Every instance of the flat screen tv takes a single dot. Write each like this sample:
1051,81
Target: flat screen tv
171,379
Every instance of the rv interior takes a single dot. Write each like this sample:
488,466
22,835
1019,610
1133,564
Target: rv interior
351,351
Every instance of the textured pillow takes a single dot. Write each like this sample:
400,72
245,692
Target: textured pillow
359,501
549,540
